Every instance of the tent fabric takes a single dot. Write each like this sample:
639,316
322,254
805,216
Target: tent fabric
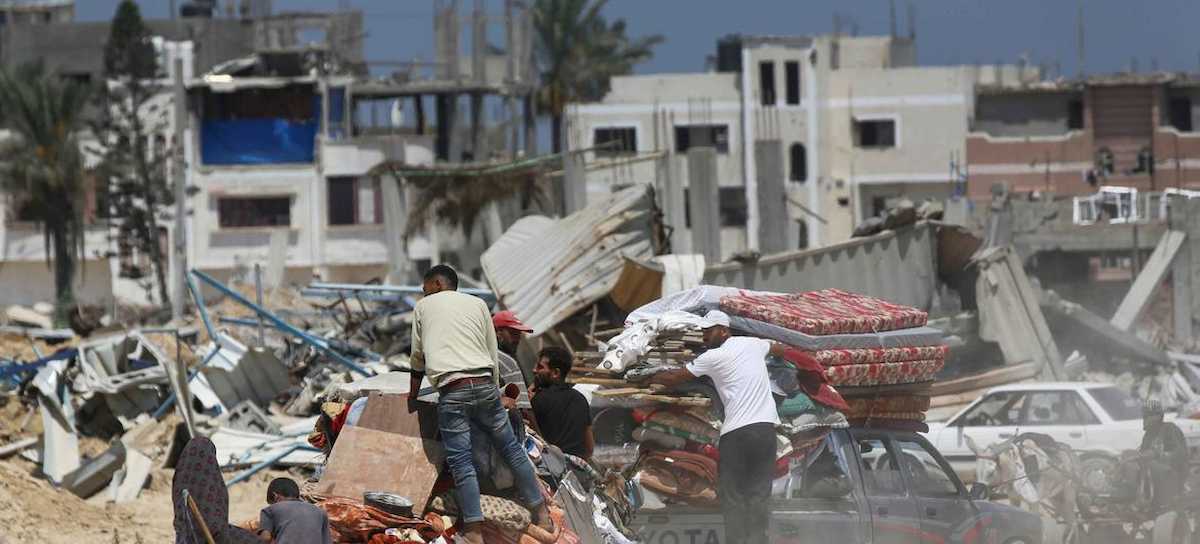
257,141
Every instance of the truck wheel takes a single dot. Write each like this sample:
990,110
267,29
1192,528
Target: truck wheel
1172,528
1108,534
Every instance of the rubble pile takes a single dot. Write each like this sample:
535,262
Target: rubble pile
850,360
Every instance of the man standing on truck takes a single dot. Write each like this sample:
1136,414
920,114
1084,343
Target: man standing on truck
454,343
737,366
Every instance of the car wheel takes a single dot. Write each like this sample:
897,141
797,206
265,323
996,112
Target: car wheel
1098,473
1172,528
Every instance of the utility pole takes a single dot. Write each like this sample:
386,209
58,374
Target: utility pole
179,296
1079,41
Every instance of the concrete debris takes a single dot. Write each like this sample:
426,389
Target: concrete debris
1009,314
1148,280
1103,331
20,315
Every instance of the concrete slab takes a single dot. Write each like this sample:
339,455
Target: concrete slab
1009,313
91,478
60,447
366,460
1120,341
137,472
1152,275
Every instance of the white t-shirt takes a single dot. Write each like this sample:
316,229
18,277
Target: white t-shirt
739,371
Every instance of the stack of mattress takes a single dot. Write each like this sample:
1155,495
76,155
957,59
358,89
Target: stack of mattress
880,355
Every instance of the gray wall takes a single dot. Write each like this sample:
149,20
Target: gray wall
1032,114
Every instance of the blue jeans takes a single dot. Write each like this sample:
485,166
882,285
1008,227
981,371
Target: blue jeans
478,405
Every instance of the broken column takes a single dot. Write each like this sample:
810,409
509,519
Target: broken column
1185,216
702,200
772,197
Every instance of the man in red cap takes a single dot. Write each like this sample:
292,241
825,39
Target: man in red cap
509,332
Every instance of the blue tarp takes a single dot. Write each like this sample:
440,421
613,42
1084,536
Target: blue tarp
258,141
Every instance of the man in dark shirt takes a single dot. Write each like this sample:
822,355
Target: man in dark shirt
289,520
562,413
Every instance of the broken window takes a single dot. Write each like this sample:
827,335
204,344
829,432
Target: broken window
791,71
270,211
875,133
731,205
614,141
689,136
798,163
1181,114
1075,115
766,82
355,201
260,126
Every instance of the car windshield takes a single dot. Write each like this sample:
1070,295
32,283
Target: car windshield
1117,403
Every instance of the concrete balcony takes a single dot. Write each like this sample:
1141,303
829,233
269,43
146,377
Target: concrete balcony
357,155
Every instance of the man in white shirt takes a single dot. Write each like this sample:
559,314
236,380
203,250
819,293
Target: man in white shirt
737,366
454,344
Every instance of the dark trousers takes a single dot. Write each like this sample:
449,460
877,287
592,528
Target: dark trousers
747,467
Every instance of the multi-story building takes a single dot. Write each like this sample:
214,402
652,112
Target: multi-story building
1069,138
1101,159
812,134
277,145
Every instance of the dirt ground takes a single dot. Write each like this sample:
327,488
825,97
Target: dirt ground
31,510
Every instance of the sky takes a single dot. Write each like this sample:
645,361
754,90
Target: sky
1118,33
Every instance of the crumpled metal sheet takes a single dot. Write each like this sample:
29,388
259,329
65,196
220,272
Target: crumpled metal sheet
546,270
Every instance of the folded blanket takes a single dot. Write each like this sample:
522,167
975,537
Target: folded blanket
828,311
684,425
834,357
867,406
884,373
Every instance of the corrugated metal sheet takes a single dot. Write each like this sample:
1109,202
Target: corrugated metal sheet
897,266
545,270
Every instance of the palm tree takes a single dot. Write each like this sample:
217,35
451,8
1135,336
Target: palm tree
42,163
578,52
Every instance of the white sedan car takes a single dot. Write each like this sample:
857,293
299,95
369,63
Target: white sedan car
1096,420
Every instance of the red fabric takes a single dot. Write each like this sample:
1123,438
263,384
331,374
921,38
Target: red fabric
813,380
884,373
340,420
833,357
828,311
352,521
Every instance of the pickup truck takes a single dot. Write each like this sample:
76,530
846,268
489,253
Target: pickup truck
862,486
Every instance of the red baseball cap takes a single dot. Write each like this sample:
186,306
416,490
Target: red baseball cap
508,320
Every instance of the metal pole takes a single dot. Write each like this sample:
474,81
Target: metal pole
262,338
321,344
181,266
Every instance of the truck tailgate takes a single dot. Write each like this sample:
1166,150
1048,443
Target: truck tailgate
680,525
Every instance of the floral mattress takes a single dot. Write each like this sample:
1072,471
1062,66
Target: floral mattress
828,311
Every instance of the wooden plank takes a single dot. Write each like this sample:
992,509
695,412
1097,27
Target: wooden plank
607,382
992,378
678,401
619,392
1148,280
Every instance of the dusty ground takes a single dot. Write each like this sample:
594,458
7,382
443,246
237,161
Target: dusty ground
31,510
